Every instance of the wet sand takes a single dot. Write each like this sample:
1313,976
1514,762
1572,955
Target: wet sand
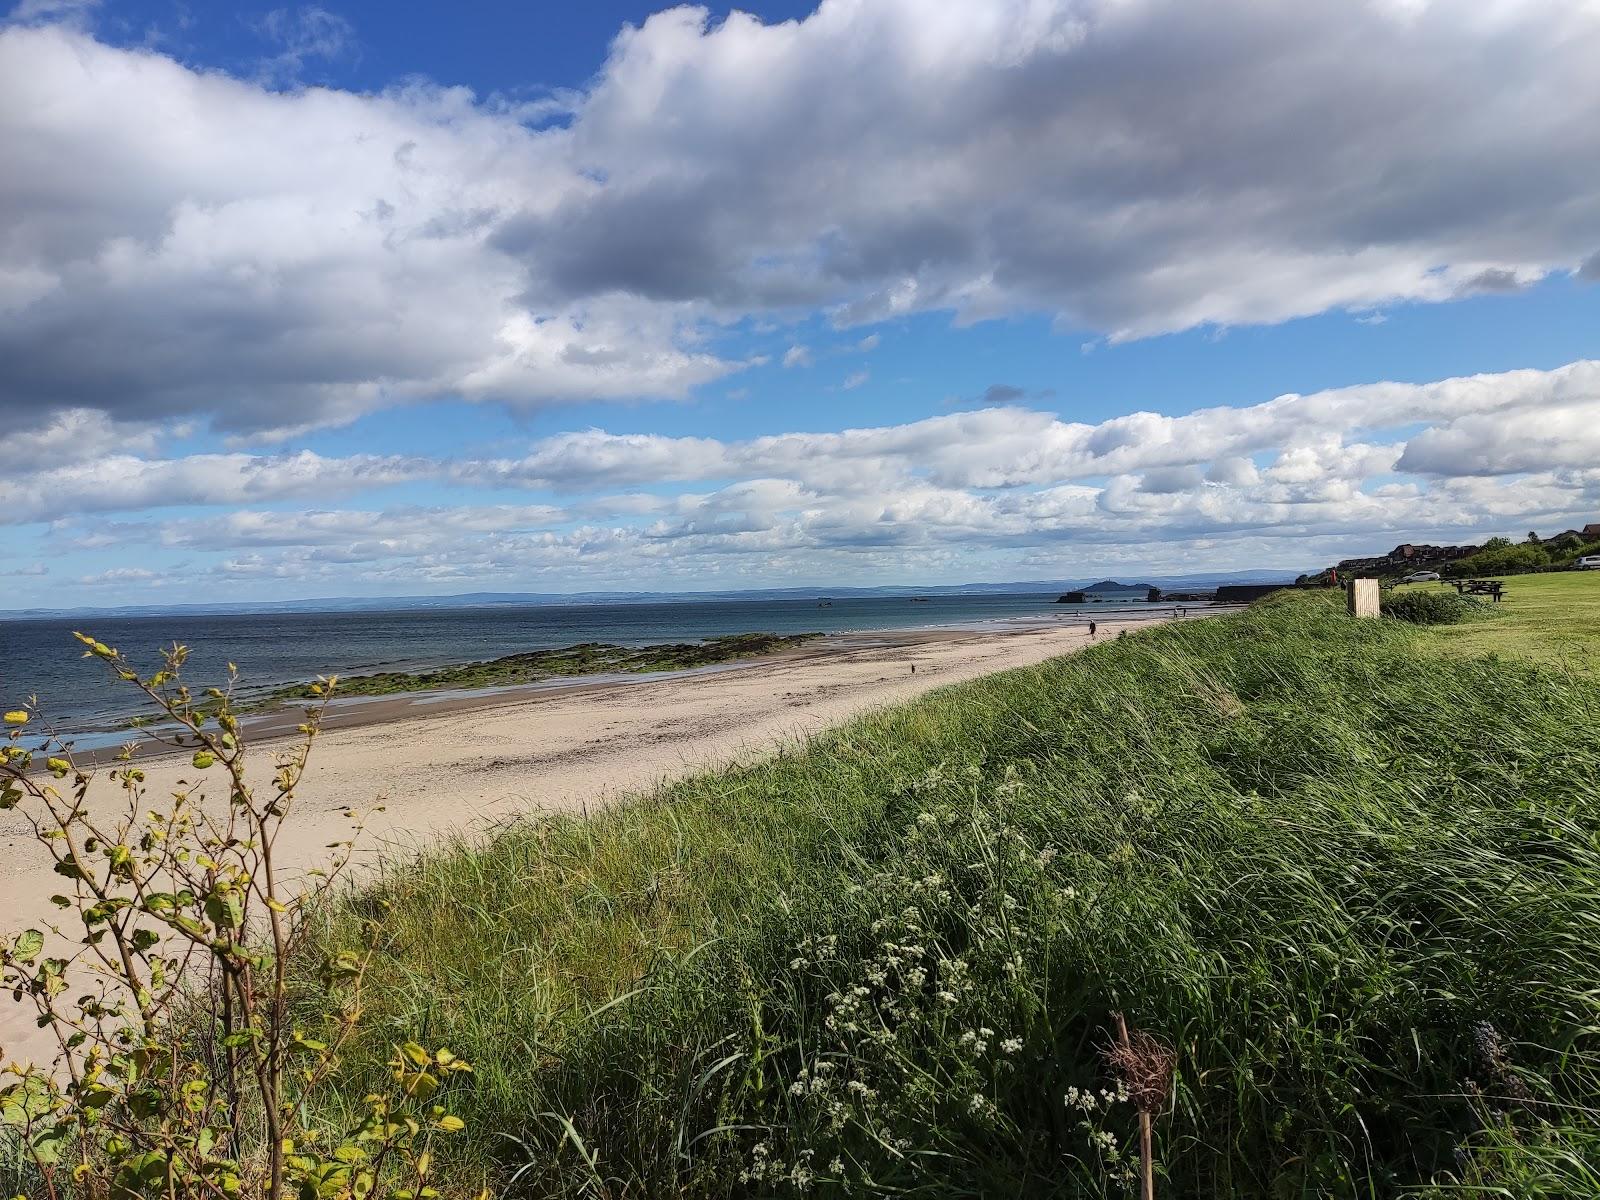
464,762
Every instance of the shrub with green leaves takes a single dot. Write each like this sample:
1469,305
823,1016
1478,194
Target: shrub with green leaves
166,989
1431,607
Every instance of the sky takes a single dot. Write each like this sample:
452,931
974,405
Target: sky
368,299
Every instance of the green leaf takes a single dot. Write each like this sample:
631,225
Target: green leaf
47,1145
418,1085
225,909
28,944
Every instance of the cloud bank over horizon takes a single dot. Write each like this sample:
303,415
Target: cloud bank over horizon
1319,475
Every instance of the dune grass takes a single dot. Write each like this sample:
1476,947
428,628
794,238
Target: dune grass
1551,618
1353,884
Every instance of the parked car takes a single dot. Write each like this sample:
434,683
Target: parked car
1421,577
1589,562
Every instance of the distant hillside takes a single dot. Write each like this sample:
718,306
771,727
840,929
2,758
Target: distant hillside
1205,580
1498,555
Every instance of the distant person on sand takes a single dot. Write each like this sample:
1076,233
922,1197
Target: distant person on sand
913,668
1092,628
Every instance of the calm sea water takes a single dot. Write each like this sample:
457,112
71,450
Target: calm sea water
40,656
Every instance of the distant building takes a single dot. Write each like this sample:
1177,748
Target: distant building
1406,555
1412,556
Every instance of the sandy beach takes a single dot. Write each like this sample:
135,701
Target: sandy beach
468,762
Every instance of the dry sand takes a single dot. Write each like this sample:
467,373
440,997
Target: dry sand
467,765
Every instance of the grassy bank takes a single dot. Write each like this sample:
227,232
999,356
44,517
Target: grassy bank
1353,883
585,658
1552,618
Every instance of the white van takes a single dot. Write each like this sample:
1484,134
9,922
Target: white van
1589,562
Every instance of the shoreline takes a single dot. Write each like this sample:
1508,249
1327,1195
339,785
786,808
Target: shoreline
99,747
463,768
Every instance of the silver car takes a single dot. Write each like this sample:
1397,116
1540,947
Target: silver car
1421,577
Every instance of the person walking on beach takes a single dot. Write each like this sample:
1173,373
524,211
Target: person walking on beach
1092,628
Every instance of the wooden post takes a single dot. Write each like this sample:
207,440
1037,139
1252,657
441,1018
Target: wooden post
1147,1148
1361,598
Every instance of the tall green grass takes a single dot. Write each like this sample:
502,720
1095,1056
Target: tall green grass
1354,885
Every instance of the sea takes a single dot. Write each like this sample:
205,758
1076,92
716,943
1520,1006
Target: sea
39,656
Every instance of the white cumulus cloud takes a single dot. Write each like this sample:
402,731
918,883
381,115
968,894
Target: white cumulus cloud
1316,476
175,241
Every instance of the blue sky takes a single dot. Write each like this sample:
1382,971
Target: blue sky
367,299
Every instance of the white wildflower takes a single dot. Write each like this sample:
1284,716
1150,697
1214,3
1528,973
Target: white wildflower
1082,1100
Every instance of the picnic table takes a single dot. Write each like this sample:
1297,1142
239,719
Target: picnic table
1480,587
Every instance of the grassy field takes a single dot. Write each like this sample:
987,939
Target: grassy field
1552,618
1353,884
